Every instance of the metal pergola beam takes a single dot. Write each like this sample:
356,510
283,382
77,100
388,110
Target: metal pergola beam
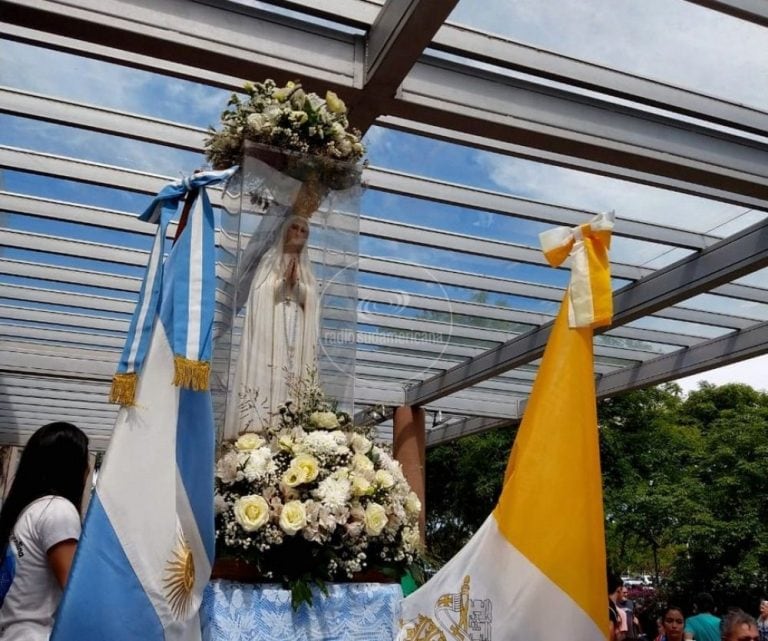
752,10
400,33
464,427
738,346
214,36
506,53
717,352
597,165
732,258
552,119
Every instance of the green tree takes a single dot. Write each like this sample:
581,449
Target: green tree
463,484
727,553
685,488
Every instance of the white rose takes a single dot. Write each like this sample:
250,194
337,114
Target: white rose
335,104
360,444
412,504
293,477
251,512
361,486
293,517
285,442
375,519
299,117
281,94
308,466
297,98
384,479
362,462
248,441
324,420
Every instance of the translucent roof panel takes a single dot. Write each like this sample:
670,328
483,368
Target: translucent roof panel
672,41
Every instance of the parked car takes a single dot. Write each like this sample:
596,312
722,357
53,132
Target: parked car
643,580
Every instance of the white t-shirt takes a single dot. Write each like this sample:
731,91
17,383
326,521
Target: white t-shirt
31,602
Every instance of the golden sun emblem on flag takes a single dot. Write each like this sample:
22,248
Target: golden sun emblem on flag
179,578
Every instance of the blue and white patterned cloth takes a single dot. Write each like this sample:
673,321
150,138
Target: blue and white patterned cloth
233,611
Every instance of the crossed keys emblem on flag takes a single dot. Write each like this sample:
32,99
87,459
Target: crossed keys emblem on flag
458,616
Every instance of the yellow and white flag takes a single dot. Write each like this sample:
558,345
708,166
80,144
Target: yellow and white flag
535,570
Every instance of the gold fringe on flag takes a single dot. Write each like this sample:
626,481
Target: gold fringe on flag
193,375
123,390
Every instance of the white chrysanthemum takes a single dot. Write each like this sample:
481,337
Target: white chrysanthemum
321,443
259,464
387,462
334,492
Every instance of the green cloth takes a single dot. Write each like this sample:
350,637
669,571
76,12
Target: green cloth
408,584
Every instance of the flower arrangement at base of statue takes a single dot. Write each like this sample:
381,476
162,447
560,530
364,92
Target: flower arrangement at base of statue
313,500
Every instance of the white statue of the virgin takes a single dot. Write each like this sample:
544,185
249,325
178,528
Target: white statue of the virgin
279,341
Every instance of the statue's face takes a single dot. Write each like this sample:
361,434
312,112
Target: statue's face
296,235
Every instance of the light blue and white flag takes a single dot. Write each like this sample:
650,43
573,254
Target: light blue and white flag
148,540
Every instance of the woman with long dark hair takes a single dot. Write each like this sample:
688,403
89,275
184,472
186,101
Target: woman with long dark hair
39,530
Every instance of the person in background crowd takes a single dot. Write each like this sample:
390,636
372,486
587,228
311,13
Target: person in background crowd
614,612
703,626
659,629
739,626
762,620
39,530
673,623
626,604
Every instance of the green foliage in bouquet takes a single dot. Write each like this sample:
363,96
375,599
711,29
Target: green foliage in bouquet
312,500
290,119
